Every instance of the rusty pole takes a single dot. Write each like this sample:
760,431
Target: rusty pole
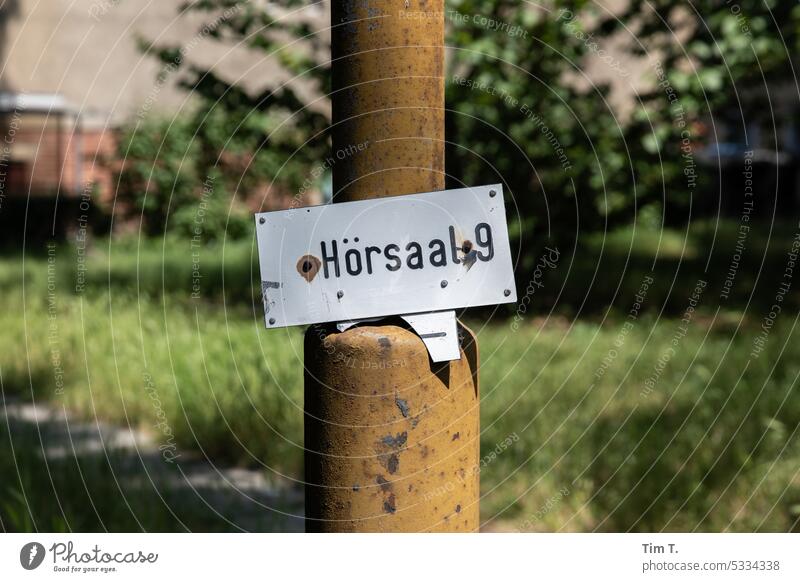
392,440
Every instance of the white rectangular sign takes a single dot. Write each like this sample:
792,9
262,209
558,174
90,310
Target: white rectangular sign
388,256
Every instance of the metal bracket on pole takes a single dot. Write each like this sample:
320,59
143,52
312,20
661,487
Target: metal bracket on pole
436,329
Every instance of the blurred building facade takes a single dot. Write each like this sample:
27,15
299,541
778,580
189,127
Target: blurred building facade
74,72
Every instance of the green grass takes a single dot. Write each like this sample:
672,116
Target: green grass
128,359
146,267
714,446
605,268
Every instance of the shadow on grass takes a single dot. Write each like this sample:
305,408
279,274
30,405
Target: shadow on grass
742,271
80,477
677,468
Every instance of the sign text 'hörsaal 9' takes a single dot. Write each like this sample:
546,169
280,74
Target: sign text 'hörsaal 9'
387,256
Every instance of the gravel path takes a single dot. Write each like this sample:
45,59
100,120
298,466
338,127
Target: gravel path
244,498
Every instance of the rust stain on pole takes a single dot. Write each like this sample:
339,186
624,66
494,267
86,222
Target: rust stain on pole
388,92
392,440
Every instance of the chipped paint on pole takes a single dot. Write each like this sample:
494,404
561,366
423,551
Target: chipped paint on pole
388,91
392,440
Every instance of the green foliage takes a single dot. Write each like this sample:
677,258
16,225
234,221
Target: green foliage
248,145
157,171
516,118
168,185
722,81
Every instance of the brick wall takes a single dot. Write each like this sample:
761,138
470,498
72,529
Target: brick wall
48,154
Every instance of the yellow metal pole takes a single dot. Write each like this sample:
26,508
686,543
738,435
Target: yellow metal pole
392,440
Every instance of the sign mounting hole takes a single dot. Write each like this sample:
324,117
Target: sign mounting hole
308,267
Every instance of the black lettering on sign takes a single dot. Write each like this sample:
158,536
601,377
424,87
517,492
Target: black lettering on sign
358,261
393,257
354,265
483,236
415,256
439,256
369,251
453,247
334,258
